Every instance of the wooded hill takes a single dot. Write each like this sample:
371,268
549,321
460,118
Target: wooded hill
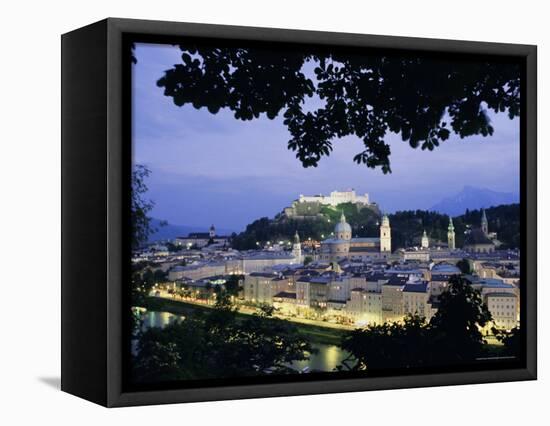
406,226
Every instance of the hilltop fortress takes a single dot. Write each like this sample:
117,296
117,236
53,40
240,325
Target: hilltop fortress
310,205
335,198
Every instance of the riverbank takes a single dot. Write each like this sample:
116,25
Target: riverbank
313,333
316,334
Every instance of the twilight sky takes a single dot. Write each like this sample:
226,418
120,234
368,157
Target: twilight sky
216,169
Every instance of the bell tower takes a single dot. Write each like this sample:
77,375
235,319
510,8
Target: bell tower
451,234
385,235
425,243
297,248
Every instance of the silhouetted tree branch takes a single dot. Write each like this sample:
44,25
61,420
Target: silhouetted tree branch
423,99
217,344
140,207
453,336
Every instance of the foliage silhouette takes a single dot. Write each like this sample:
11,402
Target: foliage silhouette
232,285
218,344
421,98
389,345
511,341
140,207
456,336
451,337
464,266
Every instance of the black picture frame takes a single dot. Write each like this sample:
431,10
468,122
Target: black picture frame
95,200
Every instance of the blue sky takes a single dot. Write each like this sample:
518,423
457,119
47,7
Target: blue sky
215,169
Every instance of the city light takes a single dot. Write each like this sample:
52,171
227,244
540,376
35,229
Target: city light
374,285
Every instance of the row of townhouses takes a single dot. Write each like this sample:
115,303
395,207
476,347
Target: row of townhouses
373,297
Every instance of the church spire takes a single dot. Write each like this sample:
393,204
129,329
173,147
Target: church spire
484,222
342,217
451,226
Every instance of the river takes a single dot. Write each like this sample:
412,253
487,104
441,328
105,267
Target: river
326,358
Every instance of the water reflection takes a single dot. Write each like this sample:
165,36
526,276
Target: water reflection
158,319
326,359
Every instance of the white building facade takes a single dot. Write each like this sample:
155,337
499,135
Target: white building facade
335,198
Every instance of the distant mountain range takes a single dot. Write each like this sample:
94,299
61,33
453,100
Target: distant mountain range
170,231
473,198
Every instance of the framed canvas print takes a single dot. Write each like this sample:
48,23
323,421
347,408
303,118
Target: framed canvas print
252,212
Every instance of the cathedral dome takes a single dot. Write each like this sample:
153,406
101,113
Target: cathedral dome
343,229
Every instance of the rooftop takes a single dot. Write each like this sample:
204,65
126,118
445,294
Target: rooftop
445,268
364,249
365,240
397,280
501,295
416,288
376,276
321,280
194,266
475,237
268,256
308,272
263,274
441,277
490,282
334,241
